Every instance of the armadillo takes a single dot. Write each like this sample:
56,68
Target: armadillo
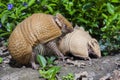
79,43
37,29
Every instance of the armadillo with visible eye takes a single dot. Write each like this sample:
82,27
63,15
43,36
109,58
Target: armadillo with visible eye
38,28
80,44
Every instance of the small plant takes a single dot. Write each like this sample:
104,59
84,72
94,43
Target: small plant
48,71
12,12
1,60
70,76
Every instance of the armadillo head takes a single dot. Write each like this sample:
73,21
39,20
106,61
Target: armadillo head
94,48
63,23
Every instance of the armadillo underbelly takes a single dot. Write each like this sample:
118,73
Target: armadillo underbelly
38,28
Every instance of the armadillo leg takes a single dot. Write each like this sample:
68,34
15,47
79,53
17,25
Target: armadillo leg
32,61
52,45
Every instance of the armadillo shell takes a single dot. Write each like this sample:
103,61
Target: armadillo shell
74,43
19,49
38,28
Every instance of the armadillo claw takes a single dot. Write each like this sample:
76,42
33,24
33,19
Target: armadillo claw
87,58
34,66
62,58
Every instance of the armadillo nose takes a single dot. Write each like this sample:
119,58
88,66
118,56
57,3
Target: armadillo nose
98,54
93,55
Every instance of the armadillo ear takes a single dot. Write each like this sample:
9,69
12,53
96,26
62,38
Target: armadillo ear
58,22
92,43
64,21
81,28
76,27
87,32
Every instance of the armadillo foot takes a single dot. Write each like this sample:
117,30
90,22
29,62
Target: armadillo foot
32,61
62,58
87,58
34,66
52,45
90,61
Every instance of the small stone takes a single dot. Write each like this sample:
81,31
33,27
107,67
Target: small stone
81,75
84,78
105,77
106,61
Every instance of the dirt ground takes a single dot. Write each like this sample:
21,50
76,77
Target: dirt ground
105,68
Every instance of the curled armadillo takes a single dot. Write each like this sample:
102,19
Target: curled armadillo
80,44
38,28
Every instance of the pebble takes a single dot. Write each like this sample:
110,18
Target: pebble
3,51
106,61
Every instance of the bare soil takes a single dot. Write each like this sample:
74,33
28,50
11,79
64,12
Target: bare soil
105,68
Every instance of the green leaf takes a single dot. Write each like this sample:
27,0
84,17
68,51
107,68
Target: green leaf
105,53
4,17
52,5
50,60
1,4
1,60
70,4
1,31
94,24
104,28
115,1
83,20
42,61
110,8
43,2
70,76
54,70
49,8
11,1
50,73
13,16
22,8
5,34
105,16
17,12
31,2
114,16
9,27
87,6
72,12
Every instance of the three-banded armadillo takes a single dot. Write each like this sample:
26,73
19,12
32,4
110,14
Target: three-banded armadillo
38,28
79,43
